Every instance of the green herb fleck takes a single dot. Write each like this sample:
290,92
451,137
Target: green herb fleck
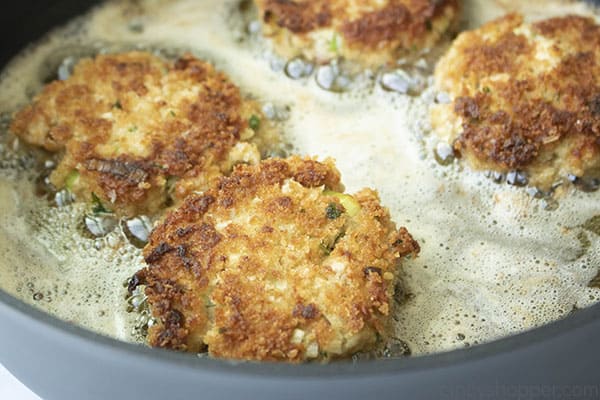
334,44
254,122
97,206
133,128
71,178
117,105
325,248
351,206
333,211
172,113
486,89
428,25
328,248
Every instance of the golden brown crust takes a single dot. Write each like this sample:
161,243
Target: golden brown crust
395,19
525,97
370,32
298,17
132,125
266,265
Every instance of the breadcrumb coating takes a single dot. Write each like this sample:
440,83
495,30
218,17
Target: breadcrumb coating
370,32
525,96
139,131
274,263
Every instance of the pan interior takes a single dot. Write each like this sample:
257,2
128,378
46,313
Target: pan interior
495,260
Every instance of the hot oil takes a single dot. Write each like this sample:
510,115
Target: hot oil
494,261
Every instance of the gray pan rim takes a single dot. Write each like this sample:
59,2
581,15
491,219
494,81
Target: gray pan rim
343,369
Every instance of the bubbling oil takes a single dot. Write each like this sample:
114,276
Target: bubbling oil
496,259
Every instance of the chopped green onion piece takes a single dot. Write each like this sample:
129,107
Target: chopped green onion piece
71,178
254,122
333,211
97,206
325,249
333,43
350,204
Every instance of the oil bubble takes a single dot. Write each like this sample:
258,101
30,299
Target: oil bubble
298,68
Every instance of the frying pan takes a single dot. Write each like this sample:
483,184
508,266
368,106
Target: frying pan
60,361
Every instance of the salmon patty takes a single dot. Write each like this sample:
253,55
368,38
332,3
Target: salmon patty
136,131
525,97
274,262
370,32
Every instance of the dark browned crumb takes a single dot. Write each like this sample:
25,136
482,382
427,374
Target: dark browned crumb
298,17
368,32
136,130
525,97
274,263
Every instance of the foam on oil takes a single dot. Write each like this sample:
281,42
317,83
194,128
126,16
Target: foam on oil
494,262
